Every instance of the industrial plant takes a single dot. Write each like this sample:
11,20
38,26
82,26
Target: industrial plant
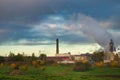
69,58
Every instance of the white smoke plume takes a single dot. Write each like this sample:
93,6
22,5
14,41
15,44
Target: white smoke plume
92,29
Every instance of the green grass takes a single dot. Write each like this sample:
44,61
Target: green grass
61,73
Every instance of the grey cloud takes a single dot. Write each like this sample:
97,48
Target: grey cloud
13,10
75,39
20,16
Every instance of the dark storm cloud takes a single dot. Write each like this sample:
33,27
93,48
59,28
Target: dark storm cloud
13,32
31,10
17,17
28,9
116,20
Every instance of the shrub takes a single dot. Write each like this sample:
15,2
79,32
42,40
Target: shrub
1,64
16,72
55,64
43,68
84,61
25,67
35,64
99,64
14,66
50,62
114,64
82,66
42,62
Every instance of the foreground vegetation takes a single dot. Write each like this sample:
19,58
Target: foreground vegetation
20,67
62,72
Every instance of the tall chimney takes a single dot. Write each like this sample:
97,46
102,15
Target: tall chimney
111,46
57,46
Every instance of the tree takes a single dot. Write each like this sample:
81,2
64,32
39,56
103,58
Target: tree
11,54
2,59
98,56
43,57
33,57
18,57
116,57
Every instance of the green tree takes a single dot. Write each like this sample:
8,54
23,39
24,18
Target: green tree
13,57
11,54
43,57
98,56
19,57
2,59
33,57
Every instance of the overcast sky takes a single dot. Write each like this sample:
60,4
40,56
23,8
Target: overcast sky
40,22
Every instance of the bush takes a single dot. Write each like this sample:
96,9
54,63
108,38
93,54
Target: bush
82,66
99,64
14,66
1,64
84,61
42,62
114,64
25,67
35,64
55,64
43,68
50,62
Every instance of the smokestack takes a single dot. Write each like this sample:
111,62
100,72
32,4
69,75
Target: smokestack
111,46
57,46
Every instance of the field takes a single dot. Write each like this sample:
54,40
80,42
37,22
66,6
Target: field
62,73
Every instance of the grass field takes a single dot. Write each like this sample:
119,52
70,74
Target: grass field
62,73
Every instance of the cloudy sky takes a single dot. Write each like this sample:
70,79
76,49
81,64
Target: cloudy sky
81,25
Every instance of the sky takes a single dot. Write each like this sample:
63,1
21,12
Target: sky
81,25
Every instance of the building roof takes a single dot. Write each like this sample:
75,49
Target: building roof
59,58
87,54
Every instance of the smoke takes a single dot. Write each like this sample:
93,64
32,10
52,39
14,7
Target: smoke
92,29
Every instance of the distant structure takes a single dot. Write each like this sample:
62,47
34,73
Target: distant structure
62,57
111,46
66,58
81,57
57,46
109,56
111,50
